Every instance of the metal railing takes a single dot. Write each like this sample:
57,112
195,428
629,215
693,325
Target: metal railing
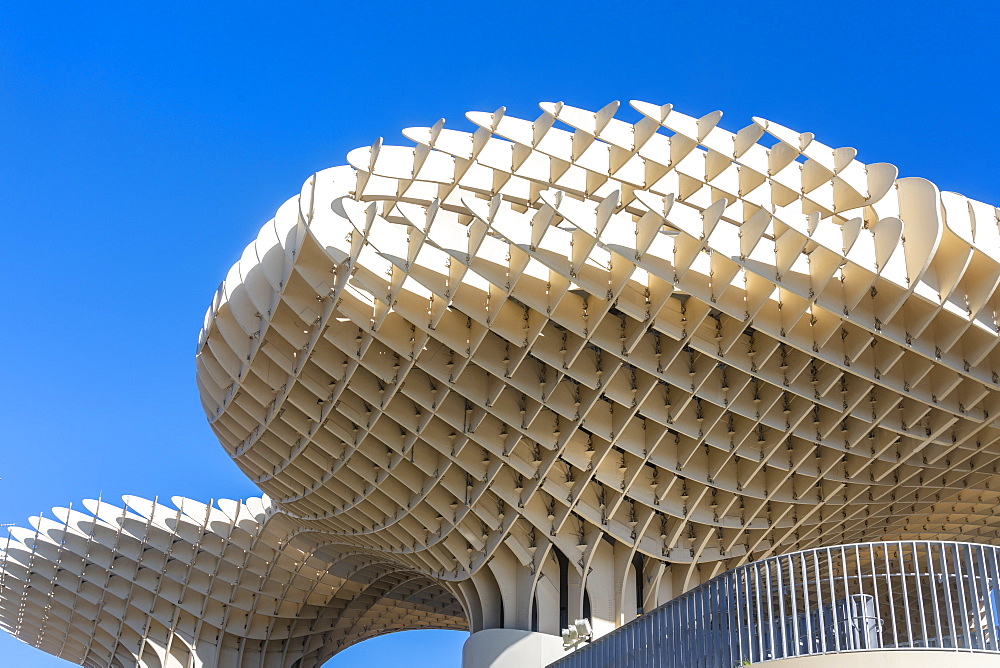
869,596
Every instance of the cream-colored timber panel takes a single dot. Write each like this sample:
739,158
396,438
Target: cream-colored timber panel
568,352
547,333
197,584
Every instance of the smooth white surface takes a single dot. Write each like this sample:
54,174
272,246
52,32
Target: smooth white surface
511,648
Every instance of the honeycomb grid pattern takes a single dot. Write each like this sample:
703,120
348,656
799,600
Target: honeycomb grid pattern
546,369
218,584
543,333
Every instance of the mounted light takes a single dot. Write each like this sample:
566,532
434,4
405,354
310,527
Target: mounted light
579,632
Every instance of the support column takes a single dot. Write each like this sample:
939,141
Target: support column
511,648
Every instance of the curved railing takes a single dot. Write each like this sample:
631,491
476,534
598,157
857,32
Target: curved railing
869,596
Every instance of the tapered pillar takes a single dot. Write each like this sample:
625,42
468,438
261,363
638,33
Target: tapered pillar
511,648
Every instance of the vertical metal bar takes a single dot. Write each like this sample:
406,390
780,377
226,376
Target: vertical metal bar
754,586
864,635
906,593
671,634
833,599
977,633
635,644
990,555
617,645
699,635
653,637
712,635
624,643
752,646
982,594
636,647
653,630
892,598
639,642
722,629
695,645
642,657
655,622
794,611
698,623
739,601
920,596
781,608
820,628
966,637
710,623
854,573
645,657
935,603
677,629
685,639
704,624
769,609
650,656
680,634
627,643
946,575
985,589
848,610
675,634
733,619
701,622
692,647
656,631
719,639
752,638
758,593
726,594
773,609
806,613
875,594
602,650
738,612
686,631
668,636
700,619
662,630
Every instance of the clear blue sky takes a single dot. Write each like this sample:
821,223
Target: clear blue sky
142,145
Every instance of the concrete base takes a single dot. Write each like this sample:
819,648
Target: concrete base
891,659
510,648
